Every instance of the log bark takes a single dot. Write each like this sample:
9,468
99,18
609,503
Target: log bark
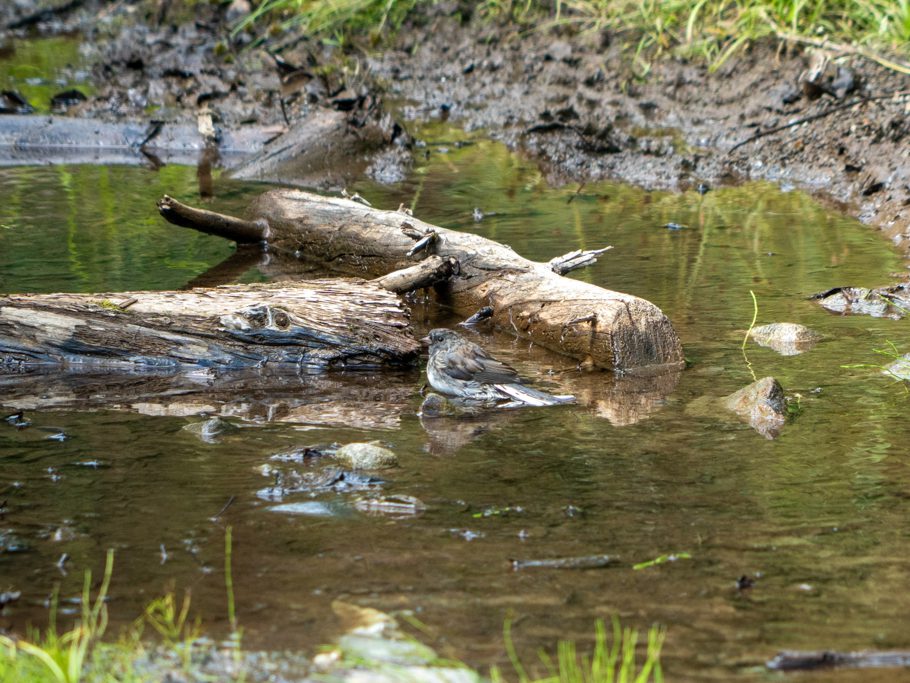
598,327
321,323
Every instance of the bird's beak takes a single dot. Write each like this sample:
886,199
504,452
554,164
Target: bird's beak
425,341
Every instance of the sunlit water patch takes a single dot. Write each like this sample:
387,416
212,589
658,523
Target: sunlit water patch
816,517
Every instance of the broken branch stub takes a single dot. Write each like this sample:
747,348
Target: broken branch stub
211,222
575,260
598,327
429,272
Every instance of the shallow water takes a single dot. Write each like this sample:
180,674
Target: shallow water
816,516
38,69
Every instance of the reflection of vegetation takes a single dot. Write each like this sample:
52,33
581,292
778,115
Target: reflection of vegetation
40,68
95,228
613,661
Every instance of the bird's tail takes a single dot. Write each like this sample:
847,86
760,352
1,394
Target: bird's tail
533,397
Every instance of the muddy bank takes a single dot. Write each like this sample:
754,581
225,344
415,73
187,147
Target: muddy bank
572,102
177,69
569,100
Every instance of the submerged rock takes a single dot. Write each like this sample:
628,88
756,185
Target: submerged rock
395,505
900,369
788,339
209,431
762,405
327,479
375,650
366,456
312,508
369,648
881,302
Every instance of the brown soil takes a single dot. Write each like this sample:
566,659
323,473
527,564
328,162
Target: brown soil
570,101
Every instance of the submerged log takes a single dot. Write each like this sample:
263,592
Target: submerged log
322,323
67,140
599,327
793,660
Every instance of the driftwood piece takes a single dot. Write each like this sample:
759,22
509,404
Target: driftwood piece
599,327
322,323
575,260
429,272
792,660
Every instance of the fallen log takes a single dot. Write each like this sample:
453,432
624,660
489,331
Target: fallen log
318,323
67,140
598,327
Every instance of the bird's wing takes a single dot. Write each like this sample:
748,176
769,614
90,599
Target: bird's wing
472,363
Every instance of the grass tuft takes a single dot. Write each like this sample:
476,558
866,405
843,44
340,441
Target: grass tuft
613,659
59,658
710,31
713,30
333,20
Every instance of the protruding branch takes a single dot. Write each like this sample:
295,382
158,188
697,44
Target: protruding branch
212,223
575,259
425,274
484,313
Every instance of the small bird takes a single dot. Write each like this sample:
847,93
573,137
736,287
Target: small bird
458,367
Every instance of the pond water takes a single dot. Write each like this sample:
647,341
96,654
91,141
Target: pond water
39,69
816,517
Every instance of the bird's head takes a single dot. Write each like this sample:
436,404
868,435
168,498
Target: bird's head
439,336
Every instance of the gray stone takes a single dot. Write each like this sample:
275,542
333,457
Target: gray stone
370,649
900,369
310,508
788,339
366,456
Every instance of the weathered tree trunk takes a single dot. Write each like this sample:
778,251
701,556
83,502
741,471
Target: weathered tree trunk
324,323
599,327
